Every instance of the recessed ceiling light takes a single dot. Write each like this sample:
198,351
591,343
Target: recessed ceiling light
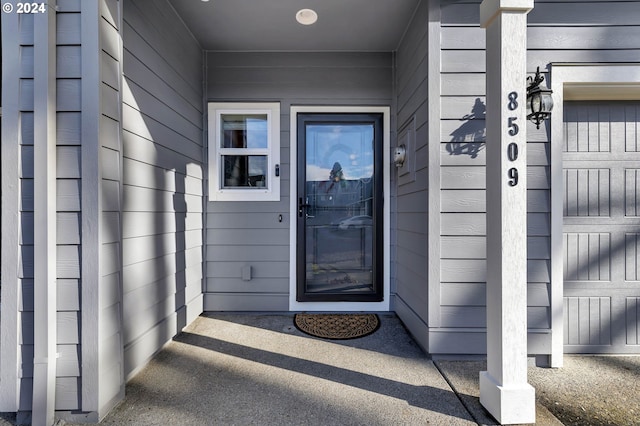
306,16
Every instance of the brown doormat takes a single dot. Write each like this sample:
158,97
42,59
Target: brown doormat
337,326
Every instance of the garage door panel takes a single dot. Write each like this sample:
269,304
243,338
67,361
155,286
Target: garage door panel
603,127
571,321
632,192
587,192
631,121
587,256
588,128
632,141
600,320
633,319
601,228
587,321
632,251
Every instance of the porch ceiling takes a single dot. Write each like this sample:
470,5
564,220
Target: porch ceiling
270,25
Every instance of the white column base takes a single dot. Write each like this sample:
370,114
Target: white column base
513,404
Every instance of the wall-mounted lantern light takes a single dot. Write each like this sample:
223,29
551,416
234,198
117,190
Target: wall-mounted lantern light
539,101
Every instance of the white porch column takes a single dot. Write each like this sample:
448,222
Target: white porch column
504,390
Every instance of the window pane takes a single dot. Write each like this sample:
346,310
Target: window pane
244,131
349,147
244,171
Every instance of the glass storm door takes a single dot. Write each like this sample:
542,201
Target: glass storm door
339,191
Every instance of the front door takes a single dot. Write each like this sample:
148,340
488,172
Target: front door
340,212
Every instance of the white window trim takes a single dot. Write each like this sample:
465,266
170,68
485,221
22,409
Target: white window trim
576,82
272,191
384,305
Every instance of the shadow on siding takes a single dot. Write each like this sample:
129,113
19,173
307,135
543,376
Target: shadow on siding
468,139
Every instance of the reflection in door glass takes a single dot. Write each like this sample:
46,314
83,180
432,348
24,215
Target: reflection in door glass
339,217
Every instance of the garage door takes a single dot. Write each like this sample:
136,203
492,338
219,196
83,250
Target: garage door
601,231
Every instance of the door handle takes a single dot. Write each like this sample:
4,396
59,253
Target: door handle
302,206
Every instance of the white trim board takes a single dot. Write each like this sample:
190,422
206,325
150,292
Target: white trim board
576,82
11,135
434,188
294,305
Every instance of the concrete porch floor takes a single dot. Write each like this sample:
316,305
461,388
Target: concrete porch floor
258,369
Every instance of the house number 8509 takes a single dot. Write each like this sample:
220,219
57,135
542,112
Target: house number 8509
512,148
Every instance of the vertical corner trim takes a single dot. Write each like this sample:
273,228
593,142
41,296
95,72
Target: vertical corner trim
44,283
90,201
10,149
434,214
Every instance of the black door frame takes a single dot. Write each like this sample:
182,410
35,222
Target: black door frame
377,119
